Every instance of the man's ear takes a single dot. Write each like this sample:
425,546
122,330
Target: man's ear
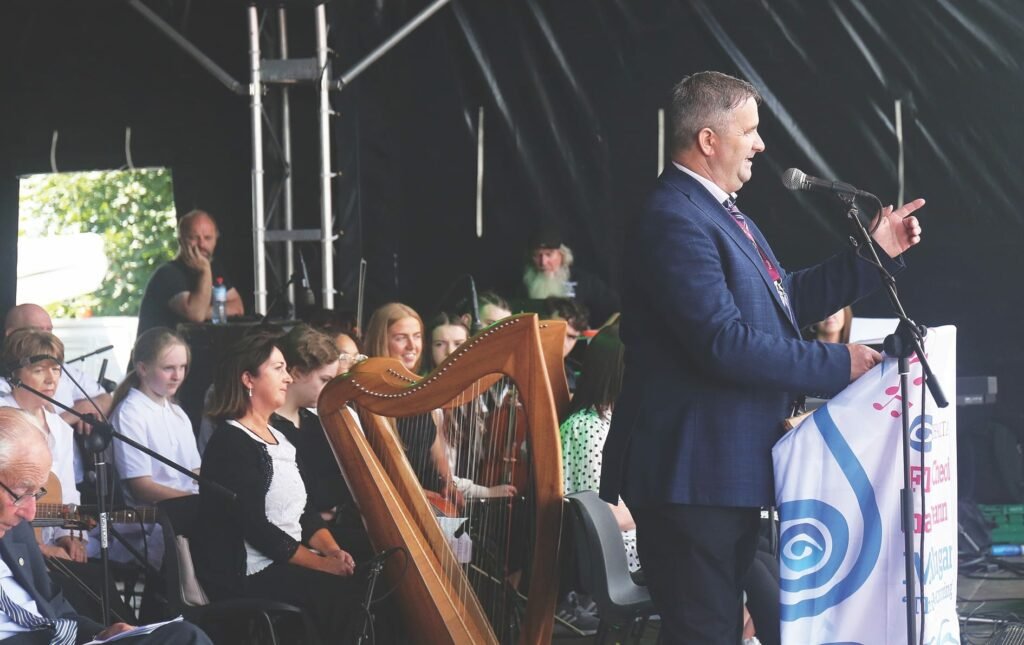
706,140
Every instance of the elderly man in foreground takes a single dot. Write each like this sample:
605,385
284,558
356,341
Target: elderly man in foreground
32,609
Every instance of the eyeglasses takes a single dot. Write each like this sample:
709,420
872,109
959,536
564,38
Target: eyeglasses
345,357
18,500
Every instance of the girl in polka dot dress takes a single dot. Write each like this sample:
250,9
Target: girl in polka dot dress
584,431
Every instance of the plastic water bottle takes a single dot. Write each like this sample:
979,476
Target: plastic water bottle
219,315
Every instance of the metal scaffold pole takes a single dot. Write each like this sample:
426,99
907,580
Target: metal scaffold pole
256,116
326,174
286,151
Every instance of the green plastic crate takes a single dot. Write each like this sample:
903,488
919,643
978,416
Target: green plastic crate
1009,521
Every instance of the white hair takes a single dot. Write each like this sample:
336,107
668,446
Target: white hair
18,433
540,285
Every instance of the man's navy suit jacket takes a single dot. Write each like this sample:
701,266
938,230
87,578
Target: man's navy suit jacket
20,552
713,362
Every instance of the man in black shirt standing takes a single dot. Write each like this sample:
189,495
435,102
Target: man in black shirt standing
181,290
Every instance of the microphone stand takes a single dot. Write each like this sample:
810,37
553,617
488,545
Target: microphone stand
907,340
92,353
96,443
376,568
308,297
290,313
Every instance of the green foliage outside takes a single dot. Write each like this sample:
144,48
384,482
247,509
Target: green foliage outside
133,210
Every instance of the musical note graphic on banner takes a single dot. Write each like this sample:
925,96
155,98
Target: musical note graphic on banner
892,392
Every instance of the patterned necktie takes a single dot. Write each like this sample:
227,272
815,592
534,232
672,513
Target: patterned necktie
64,629
773,273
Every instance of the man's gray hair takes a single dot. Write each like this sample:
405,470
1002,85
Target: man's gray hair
703,100
18,431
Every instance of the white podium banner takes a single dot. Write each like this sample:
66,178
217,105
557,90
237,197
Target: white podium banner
838,478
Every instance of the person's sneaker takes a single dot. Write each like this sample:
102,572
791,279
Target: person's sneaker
576,618
586,604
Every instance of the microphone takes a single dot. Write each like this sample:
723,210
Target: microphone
308,297
795,179
378,559
474,310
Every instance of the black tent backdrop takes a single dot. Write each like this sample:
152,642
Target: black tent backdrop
571,90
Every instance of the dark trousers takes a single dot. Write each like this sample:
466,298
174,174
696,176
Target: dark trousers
82,584
695,560
331,602
762,587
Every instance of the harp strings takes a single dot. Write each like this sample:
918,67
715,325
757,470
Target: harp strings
480,437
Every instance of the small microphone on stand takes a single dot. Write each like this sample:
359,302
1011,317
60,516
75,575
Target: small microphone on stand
474,310
376,560
308,298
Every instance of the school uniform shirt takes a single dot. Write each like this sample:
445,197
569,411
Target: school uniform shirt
163,427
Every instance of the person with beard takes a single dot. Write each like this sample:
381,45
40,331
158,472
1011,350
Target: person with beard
182,289
550,271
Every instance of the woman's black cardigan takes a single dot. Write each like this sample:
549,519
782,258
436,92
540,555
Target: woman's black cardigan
242,465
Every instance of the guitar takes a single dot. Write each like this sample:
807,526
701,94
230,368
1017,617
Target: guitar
51,512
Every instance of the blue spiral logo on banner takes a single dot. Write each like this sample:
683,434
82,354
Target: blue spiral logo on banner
816,539
921,433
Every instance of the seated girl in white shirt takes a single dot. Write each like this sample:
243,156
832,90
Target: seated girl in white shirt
144,410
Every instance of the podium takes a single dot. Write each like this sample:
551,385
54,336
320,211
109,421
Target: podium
838,478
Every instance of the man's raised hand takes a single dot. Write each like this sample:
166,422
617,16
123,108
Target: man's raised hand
898,229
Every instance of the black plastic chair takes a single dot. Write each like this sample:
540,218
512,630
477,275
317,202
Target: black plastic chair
185,595
604,570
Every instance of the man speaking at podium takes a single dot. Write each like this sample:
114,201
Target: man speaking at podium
714,360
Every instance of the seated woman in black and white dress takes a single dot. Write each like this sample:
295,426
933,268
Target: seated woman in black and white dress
269,543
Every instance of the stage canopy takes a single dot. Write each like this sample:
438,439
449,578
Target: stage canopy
570,90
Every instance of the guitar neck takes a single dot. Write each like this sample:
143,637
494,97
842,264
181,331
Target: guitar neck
139,514
49,514
56,511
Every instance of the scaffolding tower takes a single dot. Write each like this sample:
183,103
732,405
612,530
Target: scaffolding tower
272,80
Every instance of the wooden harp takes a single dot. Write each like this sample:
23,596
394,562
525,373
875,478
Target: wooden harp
435,596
